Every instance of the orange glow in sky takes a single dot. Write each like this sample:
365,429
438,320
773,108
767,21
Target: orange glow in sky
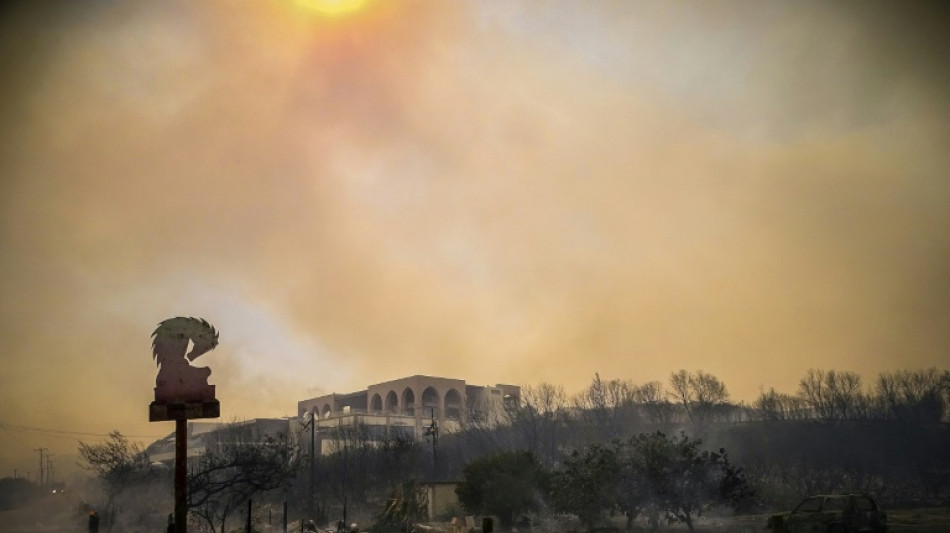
354,191
333,7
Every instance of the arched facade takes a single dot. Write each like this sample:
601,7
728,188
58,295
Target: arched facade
453,405
431,404
392,402
422,397
408,403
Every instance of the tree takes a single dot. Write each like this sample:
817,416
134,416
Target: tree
701,394
674,475
539,419
586,484
913,396
775,406
507,485
120,465
652,400
407,503
650,474
604,405
238,463
832,395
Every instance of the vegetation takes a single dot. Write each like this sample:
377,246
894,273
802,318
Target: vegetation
123,471
648,475
406,505
238,464
505,485
650,454
16,492
588,484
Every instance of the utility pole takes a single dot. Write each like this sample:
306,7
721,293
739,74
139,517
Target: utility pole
346,437
432,433
181,475
313,424
39,476
49,469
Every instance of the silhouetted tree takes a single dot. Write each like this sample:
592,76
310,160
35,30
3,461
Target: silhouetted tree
605,407
832,395
505,485
702,395
540,420
913,396
682,480
587,483
120,465
653,402
774,406
238,463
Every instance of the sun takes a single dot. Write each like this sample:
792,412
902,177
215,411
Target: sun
333,8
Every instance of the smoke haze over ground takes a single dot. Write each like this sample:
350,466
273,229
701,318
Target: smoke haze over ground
496,191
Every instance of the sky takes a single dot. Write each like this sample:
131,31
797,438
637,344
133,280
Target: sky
501,191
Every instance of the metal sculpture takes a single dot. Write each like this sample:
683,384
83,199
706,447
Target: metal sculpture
182,391
178,380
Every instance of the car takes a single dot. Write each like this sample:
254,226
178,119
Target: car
832,513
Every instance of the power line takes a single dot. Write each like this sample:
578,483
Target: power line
11,437
68,434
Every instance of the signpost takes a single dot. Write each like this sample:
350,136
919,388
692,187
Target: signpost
182,391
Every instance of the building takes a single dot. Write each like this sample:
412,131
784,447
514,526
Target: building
201,433
409,406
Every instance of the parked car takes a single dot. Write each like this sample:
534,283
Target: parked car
832,513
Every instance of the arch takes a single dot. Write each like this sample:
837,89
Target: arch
376,404
408,401
430,401
326,411
453,404
392,402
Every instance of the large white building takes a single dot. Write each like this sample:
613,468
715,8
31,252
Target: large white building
408,405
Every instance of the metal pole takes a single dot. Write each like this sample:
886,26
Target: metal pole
181,475
39,477
247,524
344,481
313,425
285,517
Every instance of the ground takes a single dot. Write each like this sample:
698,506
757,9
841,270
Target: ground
66,514
60,513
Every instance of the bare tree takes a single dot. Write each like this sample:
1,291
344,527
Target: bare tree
238,463
915,396
845,388
122,467
540,420
653,402
777,406
811,388
481,423
832,395
702,395
605,406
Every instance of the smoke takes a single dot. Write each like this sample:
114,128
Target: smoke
494,191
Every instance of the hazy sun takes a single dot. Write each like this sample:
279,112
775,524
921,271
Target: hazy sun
333,7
